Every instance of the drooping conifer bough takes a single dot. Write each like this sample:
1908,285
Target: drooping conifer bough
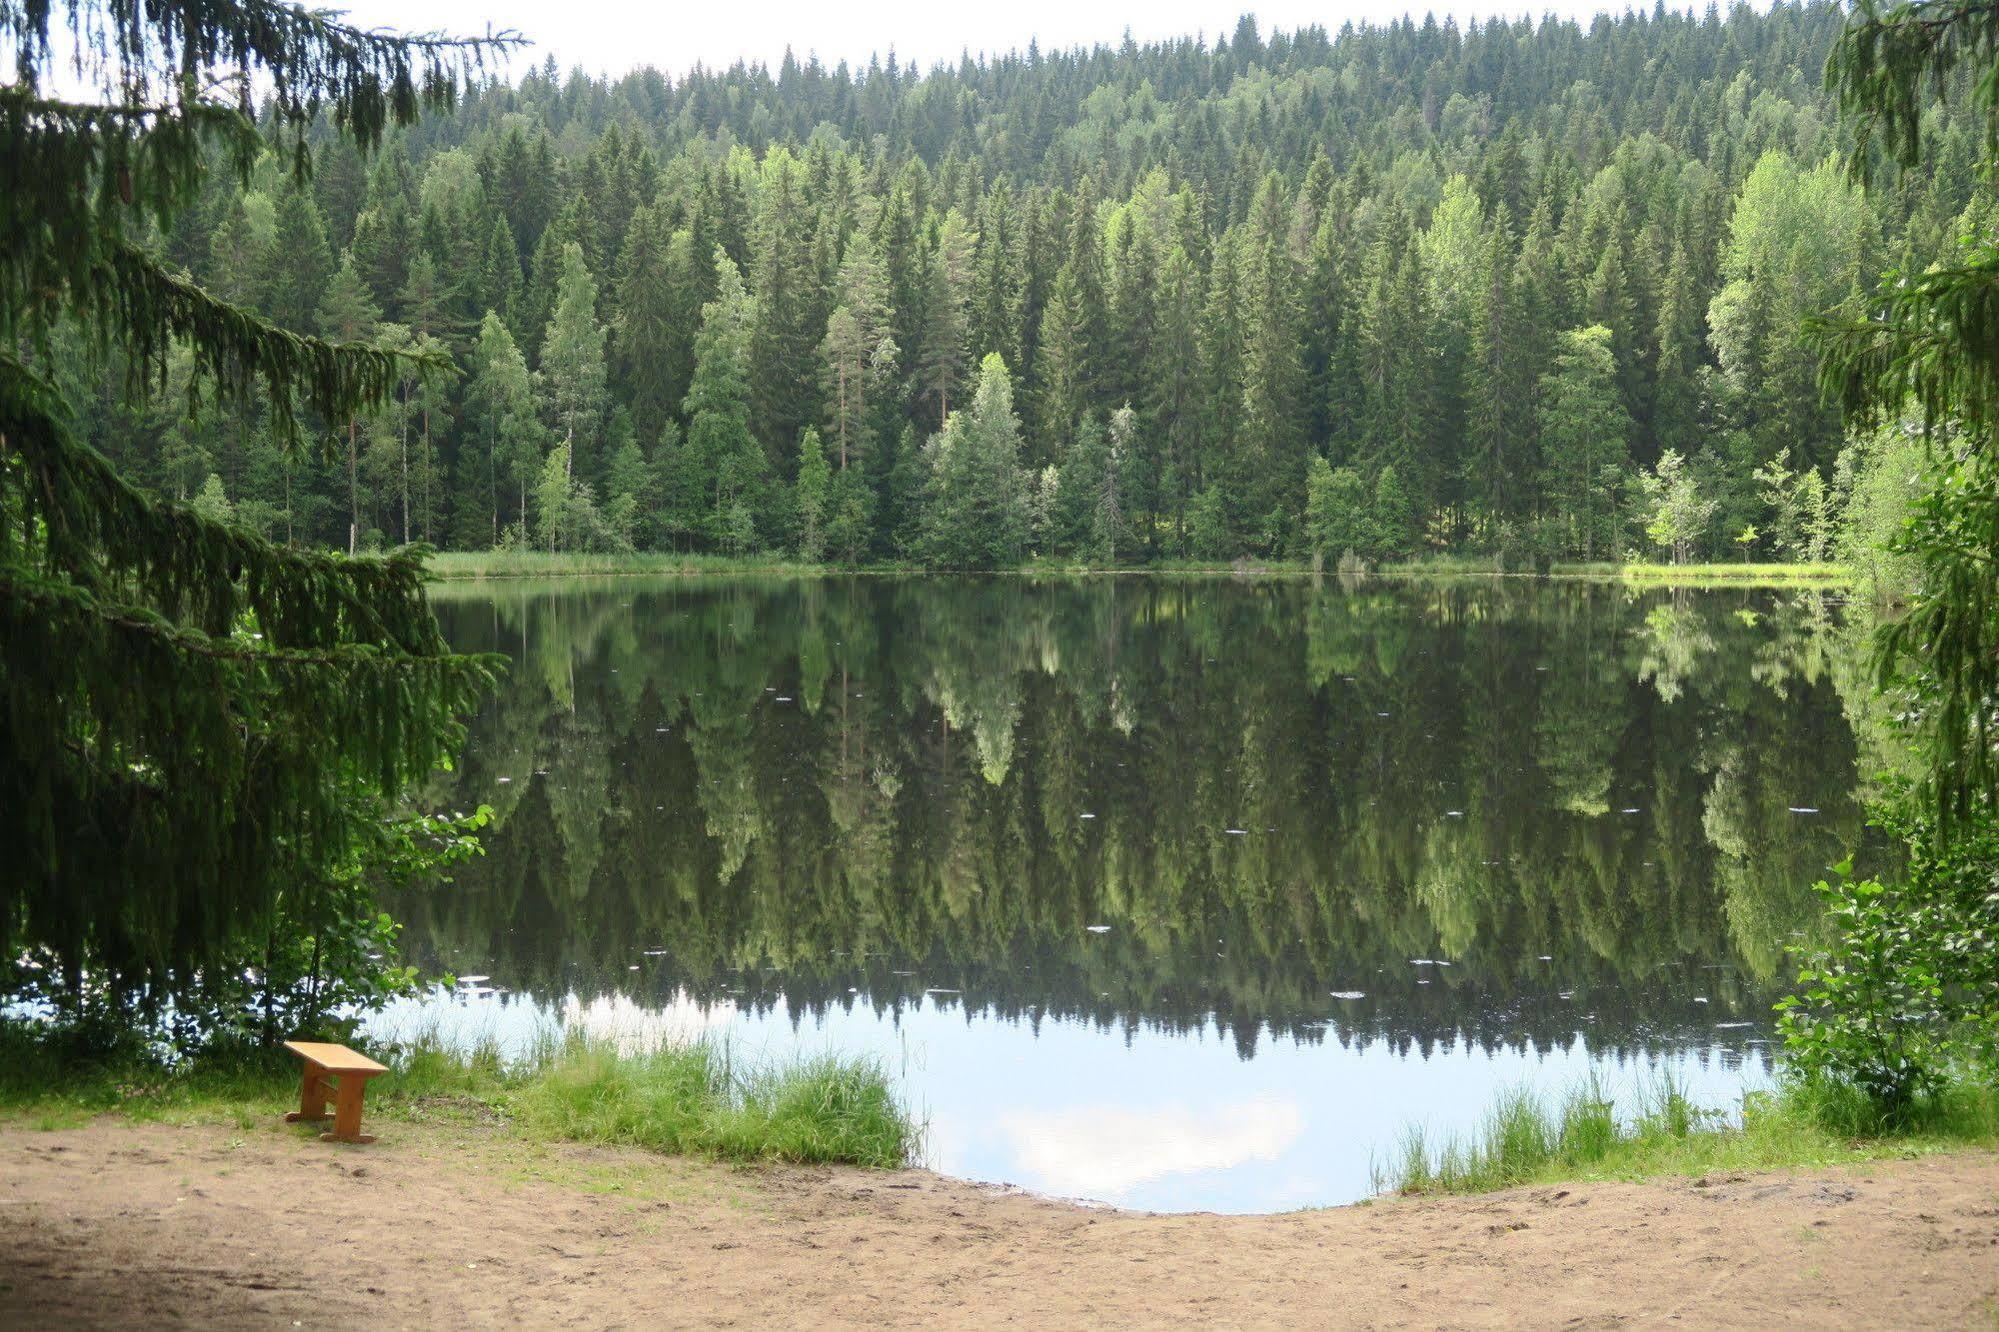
187,711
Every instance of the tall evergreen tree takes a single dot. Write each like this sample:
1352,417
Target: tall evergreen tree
727,461
1584,432
572,365
975,516
176,789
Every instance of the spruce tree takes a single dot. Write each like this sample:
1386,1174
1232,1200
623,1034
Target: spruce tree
940,358
645,332
727,462
857,351
790,318
199,731
505,421
1585,432
975,515
572,365
813,495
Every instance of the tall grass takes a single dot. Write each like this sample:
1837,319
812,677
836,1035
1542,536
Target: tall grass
1526,1139
696,1099
1717,573
474,564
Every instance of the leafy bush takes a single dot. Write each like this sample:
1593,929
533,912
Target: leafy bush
1905,996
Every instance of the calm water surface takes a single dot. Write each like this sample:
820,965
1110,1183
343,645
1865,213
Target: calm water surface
1173,893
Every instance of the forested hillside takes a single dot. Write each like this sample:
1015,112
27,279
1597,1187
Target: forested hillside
1515,287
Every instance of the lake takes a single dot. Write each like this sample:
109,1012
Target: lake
1170,892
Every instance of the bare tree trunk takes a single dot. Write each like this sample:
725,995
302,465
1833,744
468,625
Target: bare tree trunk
429,513
353,491
403,434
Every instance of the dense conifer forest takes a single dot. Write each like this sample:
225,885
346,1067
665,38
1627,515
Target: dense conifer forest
1525,288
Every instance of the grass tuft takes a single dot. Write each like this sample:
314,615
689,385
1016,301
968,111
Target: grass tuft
1528,1140
690,1099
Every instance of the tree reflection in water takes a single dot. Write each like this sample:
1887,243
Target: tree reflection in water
840,793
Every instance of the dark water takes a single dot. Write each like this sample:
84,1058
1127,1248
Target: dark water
1178,893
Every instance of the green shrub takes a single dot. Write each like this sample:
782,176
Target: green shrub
1905,996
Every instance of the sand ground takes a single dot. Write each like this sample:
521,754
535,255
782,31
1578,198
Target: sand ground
122,1223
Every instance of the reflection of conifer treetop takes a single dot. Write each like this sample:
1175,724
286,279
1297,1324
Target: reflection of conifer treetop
798,789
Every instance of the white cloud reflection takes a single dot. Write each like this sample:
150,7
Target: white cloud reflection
641,1028
1105,1151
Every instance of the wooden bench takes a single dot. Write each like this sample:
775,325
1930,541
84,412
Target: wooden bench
348,1074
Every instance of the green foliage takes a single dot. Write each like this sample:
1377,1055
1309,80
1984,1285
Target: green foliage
1251,302
1927,346
1584,1135
1336,511
194,722
722,453
1801,244
974,511
213,503
701,1099
697,1100
1905,995
1888,473
1677,516
572,363
814,493
1396,523
1110,530
628,482
1584,430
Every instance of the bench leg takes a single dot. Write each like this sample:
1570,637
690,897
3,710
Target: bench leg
347,1112
311,1099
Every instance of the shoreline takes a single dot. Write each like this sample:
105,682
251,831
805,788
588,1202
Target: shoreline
448,1217
477,567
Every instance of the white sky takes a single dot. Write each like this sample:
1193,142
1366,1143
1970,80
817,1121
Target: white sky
611,37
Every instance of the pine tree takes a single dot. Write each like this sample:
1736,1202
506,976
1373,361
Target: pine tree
296,263
940,358
1500,419
538,293
629,493
999,276
1174,398
385,239
1678,360
347,315
500,268
857,352
1272,438
1396,520
1062,353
